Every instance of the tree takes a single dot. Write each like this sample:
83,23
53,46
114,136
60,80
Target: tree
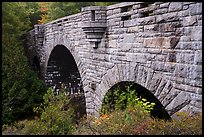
21,89
14,21
43,10
34,13
61,9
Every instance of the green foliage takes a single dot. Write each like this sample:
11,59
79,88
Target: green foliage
131,121
21,89
34,13
121,110
61,9
104,3
123,113
14,20
54,119
118,98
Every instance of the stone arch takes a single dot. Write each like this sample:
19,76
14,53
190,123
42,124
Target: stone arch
70,49
158,84
62,62
63,39
63,69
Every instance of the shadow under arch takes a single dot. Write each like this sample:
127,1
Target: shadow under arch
158,111
36,66
62,70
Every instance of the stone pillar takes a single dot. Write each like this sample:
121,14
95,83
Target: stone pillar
39,38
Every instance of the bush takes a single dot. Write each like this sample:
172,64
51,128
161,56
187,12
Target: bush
184,124
120,112
123,113
116,123
117,99
21,88
54,118
135,121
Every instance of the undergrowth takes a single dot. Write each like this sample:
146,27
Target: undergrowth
126,115
54,119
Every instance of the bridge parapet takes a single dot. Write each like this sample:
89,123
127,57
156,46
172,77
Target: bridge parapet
39,30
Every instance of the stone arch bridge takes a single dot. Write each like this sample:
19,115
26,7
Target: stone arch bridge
157,45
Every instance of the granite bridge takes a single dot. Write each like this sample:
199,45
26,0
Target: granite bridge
156,45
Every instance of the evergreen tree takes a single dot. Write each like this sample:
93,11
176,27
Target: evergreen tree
21,89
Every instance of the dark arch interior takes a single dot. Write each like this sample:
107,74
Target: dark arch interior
157,112
62,69
36,65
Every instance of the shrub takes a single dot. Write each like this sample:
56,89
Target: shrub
118,99
120,112
21,88
135,121
123,113
184,124
53,120
117,122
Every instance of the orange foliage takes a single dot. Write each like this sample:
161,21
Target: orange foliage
101,118
43,6
104,116
43,19
43,9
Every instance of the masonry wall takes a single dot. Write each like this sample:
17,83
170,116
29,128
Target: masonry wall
157,45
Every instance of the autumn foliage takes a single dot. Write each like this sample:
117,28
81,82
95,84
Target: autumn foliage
43,9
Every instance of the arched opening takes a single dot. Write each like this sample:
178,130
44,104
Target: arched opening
158,110
36,65
62,70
